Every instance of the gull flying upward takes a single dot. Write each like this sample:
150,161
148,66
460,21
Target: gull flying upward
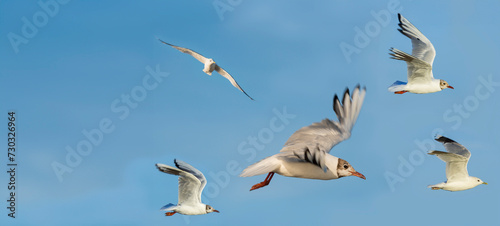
191,184
420,78
306,153
210,66
456,160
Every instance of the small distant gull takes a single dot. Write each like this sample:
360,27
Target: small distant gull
191,184
306,153
210,66
420,78
456,160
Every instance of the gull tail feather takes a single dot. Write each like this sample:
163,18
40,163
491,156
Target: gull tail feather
436,186
168,207
397,86
263,166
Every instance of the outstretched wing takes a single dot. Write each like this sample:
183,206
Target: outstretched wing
189,185
456,158
419,71
196,55
312,142
453,147
199,175
230,78
456,165
422,47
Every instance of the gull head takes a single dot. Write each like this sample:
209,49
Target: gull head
443,84
210,209
209,66
477,181
345,169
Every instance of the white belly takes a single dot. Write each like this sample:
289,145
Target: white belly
191,210
458,186
420,88
309,170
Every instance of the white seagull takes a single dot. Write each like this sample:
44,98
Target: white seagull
306,153
420,78
456,167
191,184
210,66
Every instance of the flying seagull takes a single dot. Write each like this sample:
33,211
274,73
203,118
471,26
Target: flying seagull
420,78
456,167
191,184
210,66
306,153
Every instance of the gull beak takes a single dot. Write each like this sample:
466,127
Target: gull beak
358,175
216,211
451,87
485,183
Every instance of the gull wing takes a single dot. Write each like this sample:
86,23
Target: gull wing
230,78
196,173
191,181
196,55
419,71
311,143
456,165
422,47
454,147
456,158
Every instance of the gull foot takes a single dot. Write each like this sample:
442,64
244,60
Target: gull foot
435,188
263,183
259,185
400,92
169,213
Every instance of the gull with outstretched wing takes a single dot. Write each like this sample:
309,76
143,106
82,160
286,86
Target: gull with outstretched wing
420,78
191,184
456,158
306,153
210,66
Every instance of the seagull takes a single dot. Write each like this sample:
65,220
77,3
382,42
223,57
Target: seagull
456,167
420,78
191,184
210,66
306,153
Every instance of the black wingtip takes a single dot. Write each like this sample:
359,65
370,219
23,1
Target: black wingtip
444,139
391,51
347,95
335,99
164,42
176,164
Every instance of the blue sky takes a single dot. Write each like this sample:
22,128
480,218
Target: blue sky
81,66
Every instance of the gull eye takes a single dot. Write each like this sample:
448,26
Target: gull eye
478,180
346,166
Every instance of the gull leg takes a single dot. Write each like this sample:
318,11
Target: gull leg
263,183
169,213
435,188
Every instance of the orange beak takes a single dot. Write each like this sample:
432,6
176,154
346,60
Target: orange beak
358,175
451,87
